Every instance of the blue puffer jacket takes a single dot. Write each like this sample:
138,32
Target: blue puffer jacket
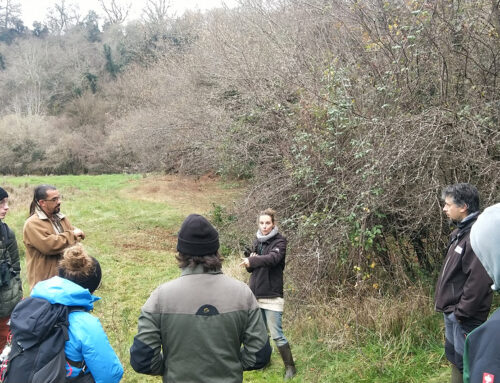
87,339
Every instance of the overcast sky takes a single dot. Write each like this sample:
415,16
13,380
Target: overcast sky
36,10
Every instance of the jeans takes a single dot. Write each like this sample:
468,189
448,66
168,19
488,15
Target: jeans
272,319
455,334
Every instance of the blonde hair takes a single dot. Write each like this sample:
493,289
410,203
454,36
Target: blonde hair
270,212
76,262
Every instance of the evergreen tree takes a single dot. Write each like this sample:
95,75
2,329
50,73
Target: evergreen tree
112,68
91,25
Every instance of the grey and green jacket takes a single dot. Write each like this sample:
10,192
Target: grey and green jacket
202,327
11,289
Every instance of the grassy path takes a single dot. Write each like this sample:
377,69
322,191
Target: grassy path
131,224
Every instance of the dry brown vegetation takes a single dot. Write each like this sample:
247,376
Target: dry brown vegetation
346,116
188,193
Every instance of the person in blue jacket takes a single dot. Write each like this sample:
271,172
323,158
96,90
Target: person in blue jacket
88,348
482,346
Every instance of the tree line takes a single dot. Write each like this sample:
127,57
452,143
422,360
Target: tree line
347,116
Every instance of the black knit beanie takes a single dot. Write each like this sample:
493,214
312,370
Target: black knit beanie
90,282
3,193
197,237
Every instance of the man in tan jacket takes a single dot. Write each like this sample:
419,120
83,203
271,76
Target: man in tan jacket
46,234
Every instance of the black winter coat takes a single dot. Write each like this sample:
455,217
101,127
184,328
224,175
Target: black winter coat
267,268
463,286
12,292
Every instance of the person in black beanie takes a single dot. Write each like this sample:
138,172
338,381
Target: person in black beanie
11,288
192,328
3,194
88,351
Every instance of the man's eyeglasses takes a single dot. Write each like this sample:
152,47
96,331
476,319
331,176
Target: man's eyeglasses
55,199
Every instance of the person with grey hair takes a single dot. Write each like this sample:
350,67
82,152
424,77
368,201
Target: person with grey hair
482,346
46,233
463,291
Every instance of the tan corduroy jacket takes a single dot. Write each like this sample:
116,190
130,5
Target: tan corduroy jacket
44,245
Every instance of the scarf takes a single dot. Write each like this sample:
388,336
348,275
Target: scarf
263,238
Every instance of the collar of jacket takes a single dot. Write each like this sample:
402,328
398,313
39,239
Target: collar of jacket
467,222
41,214
464,226
197,270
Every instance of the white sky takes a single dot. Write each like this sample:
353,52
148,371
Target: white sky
36,10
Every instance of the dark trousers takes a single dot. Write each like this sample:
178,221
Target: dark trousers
455,334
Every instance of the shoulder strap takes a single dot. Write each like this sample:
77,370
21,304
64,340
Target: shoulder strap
80,365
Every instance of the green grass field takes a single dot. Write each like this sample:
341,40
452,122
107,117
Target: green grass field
131,222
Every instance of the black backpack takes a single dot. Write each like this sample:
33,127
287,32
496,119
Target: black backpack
39,331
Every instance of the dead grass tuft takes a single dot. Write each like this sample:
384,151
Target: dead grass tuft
343,321
232,268
148,239
187,193
19,196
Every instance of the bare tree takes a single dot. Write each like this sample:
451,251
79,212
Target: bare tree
116,13
156,11
10,12
62,16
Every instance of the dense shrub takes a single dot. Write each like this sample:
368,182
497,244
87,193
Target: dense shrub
353,122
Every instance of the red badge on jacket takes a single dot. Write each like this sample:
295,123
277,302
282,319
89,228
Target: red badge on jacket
488,378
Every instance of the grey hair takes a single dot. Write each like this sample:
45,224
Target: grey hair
463,194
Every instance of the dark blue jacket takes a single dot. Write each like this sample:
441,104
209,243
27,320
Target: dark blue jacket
12,292
481,356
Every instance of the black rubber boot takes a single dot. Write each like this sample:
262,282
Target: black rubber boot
286,355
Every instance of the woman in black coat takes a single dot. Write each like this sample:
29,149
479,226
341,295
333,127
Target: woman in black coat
266,262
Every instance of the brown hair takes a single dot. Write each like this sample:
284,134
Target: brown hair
270,212
76,262
209,262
